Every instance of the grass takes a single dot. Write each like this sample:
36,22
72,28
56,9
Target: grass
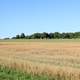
40,59
7,73
12,74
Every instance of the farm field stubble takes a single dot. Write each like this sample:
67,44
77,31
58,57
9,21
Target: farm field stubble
58,58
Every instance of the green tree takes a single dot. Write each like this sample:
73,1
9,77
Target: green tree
17,37
22,35
44,35
51,35
36,36
57,35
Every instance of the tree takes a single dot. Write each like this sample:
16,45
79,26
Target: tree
77,34
57,35
17,37
44,35
22,35
6,38
36,36
51,35
71,35
13,38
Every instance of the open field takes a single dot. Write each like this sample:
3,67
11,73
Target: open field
58,59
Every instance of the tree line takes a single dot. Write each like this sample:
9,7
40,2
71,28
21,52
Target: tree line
45,35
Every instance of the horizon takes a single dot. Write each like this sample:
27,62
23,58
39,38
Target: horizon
31,16
14,37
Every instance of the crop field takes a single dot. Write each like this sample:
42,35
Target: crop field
51,59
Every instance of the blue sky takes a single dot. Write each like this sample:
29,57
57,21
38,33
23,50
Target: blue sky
29,16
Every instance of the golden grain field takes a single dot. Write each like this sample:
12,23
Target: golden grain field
51,58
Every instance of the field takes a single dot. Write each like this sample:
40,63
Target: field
40,59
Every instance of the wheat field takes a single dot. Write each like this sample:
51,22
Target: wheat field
54,58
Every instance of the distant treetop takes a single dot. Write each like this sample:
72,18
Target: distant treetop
45,35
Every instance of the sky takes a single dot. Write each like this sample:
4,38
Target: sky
30,16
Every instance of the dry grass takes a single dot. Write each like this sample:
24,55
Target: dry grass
55,58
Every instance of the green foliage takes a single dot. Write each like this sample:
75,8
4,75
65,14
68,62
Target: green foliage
57,35
51,35
17,36
22,35
7,73
44,35
11,74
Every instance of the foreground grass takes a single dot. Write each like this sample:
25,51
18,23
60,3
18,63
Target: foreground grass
7,73
12,74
